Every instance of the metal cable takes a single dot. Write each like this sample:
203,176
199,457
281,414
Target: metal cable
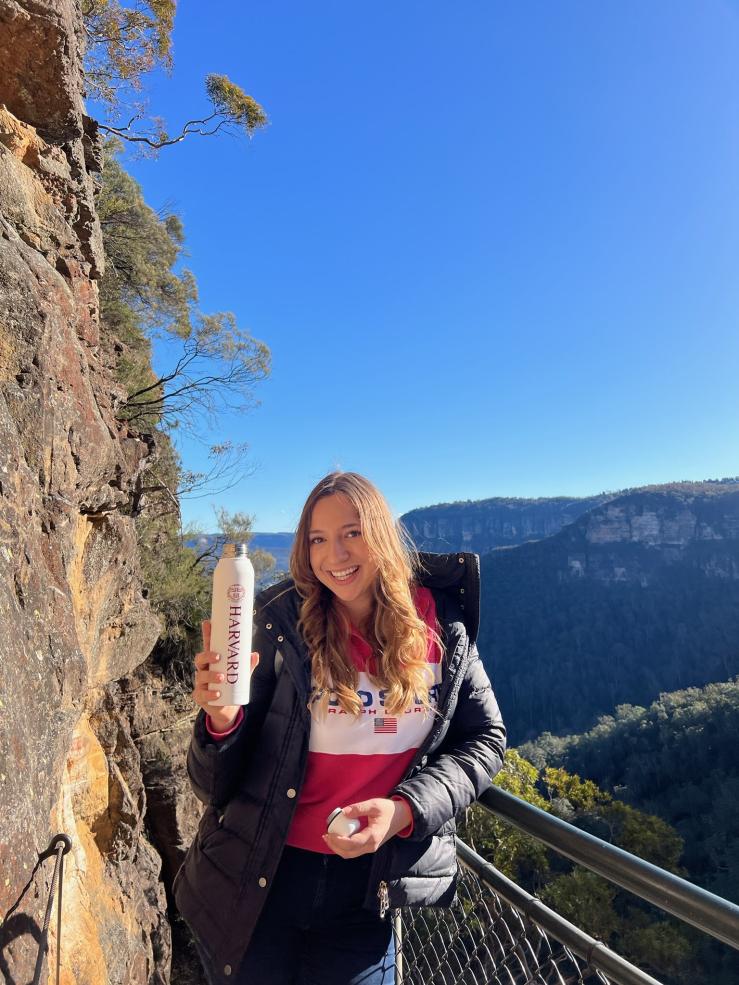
59,846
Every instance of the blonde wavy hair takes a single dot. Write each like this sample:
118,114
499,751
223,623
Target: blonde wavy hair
397,635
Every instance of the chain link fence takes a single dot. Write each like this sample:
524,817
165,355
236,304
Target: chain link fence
482,940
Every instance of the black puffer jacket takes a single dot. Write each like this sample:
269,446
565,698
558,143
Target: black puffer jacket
251,780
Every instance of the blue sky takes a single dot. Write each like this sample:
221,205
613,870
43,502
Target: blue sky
493,247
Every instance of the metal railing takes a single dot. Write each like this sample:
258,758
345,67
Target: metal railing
498,934
60,845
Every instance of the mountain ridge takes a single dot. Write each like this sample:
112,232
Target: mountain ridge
638,596
499,521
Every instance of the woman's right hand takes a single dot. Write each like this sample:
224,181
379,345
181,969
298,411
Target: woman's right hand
207,672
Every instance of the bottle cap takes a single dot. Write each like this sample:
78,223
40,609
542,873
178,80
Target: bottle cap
234,550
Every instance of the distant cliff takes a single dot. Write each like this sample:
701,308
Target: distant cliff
73,620
484,524
639,595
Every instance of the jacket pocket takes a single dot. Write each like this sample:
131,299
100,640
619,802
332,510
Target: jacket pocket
430,879
435,857
209,823
224,850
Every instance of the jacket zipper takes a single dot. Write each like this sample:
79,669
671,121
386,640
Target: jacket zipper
384,897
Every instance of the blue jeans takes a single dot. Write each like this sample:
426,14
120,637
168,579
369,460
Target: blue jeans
313,929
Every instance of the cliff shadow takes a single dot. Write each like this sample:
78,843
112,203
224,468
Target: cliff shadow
13,929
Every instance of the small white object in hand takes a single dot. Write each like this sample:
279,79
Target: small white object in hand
337,823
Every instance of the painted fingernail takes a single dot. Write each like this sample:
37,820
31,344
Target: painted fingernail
217,694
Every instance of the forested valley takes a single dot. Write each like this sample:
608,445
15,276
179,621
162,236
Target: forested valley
620,625
671,951
678,760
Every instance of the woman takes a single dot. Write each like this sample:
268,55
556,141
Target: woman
367,694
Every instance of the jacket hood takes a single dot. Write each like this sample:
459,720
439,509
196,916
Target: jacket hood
455,576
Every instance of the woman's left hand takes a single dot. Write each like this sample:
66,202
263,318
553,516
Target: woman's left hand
384,817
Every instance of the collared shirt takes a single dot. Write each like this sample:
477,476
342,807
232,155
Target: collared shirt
351,759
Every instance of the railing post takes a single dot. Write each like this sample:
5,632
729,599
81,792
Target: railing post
398,938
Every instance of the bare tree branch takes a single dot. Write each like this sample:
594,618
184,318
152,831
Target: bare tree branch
192,126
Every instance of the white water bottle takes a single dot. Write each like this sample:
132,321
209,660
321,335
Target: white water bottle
231,623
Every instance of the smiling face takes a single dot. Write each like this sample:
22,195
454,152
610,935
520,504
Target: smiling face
339,556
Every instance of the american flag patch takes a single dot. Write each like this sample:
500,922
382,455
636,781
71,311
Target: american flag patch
385,725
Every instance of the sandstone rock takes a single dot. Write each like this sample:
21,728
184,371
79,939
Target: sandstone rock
679,524
489,523
72,616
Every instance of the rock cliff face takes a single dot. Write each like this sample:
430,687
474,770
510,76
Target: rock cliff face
485,524
633,538
72,616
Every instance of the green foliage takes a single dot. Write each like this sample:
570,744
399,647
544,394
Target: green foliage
177,585
703,488
586,899
518,856
582,795
664,946
218,367
676,759
124,42
233,104
178,588
232,110
236,528
127,40
144,293
141,291
645,835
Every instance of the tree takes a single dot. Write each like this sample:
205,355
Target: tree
520,857
179,581
591,902
236,528
125,41
145,294
586,900
218,366
232,110
141,291
148,294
